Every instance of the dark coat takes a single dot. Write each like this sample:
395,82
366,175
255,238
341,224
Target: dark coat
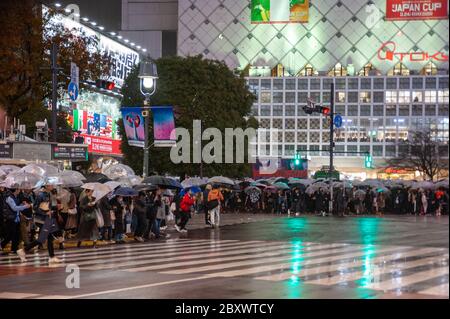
87,230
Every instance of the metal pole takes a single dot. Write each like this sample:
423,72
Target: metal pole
331,145
54,89
146,143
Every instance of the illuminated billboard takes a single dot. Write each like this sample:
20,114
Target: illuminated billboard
416,10
279,11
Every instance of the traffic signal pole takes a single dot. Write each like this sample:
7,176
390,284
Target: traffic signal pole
55,69
331,145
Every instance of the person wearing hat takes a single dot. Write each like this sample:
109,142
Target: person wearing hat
12,211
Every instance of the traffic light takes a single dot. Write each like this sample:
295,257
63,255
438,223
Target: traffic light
324,110
297,160
368,161
317,109
106,85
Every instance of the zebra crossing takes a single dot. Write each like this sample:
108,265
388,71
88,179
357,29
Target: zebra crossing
384,268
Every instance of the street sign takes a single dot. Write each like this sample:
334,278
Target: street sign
338,121
6,150
73,91
75,74
70,152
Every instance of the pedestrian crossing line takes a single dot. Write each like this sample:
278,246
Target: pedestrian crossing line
193,255
17,295
95,254
335,267
399,282
373,271
292,257
290,264
440,290
279,250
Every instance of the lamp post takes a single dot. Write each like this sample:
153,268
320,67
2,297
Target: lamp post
148,75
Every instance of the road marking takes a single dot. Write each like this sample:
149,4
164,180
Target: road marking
441,290
16,295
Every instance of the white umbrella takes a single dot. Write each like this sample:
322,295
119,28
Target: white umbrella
443,183
112,185
221,180
129,181
23,180
194,181
8,169
100,192
118,170
63,180
91,186
73,174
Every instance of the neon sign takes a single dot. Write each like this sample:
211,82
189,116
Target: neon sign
387,51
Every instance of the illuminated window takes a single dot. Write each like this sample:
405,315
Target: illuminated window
430,96
308,70
404,97
391,96
365,71
399,69
340,97
266,97
417,97
364,97
338,70
443,96
429,69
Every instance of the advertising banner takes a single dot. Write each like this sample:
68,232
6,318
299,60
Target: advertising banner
133,122
279,11
163,126
95,124
280,168
102,145
416,9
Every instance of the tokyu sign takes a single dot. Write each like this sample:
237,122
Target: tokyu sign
388,51
416,9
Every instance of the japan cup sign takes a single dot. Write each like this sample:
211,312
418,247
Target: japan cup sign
416,9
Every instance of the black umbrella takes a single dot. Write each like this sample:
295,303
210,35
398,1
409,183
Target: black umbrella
97,178
145,187
163,182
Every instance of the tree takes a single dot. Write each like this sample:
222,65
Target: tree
25,78
199,89
424,153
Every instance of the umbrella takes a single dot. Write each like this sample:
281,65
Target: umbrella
92,186
221,180
97,178
40,169
7,169
73,174
360,192
380,189
263,181
194,181
252,189
271,189
371,183
169,193
112,185
118,170
422,184
63,180
126,192
129,181
281,185
443,183
318,185
100,191
281,180
161,181
23,180
145,187
259,185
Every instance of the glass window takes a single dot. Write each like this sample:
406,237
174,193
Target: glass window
391,96
339,150
391,130
289,150
302,137
377,132
325,123
290,97
366,84
417,110
302,124
364,129
300,111
302,97
443,82
417,83
254,110
430,96
314,137
315,84
364,110
377,150
443,110
403,128
352,110
378,84
277,97
278,110
303,84
340,97
315,150
339,109
266,97
264,150
378,110
326,97
378,97
289,110
315,96
391,83
277,150
403,110
391,110
290,84
443,96
266,84
430,110
364,148
265,110
264,136
277,123
289,124
325,150
278,84
352,148
404,83
390,151
340,135
404,97
264,123
353,84
340,84
364,97
253,85
352,133
417,96
417,123
314,124
353,97
430,83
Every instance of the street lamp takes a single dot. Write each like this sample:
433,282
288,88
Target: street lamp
148,75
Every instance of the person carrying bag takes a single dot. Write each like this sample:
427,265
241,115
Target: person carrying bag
214,199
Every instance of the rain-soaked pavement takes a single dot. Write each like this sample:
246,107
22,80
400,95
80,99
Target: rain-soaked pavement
252,257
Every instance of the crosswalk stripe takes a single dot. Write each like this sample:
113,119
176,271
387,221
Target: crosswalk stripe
440,290
281,266
278,250
94,255
331,268
399,282
119,248
270,260
196,255
377,271
16,295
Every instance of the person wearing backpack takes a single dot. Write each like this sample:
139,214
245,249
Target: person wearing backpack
214,199
185,211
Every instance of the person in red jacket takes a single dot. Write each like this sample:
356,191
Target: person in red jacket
185,211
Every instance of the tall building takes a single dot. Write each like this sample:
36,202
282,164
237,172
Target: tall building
389,63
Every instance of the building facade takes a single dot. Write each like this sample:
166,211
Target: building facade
391,76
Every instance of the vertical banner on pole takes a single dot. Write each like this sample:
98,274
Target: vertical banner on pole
133,122
163,126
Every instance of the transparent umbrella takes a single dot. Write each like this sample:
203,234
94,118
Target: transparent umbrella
41,169
118,170
194,181
8,169
23,180
63,180
129,181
